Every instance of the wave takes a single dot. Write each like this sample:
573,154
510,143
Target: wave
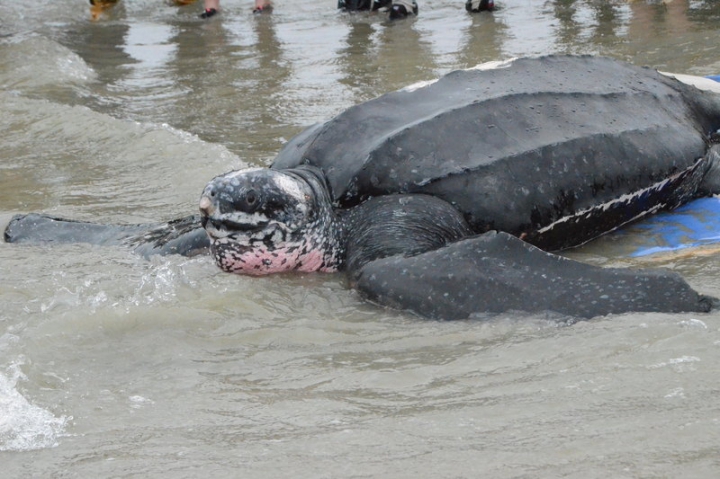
23,425
32,62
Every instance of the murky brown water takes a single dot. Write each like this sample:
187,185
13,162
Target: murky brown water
112,366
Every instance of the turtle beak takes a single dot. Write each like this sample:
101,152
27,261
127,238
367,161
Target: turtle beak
207,208
214,226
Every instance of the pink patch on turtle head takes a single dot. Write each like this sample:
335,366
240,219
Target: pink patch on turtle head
260,261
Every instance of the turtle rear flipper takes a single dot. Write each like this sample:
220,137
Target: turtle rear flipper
496,272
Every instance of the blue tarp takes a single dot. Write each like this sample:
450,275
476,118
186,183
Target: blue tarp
694,224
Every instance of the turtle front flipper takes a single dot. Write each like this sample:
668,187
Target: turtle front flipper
496,272
184,236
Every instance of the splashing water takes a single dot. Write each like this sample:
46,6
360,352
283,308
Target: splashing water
23,425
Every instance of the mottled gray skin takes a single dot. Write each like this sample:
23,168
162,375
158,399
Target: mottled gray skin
425,196
262,221
518,276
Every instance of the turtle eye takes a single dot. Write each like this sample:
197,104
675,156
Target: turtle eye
247,202
251,197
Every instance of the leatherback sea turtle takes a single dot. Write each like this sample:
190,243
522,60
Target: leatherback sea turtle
443,198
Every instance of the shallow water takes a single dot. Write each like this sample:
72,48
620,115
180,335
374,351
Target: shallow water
113,366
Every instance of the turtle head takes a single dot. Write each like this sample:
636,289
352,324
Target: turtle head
263,221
